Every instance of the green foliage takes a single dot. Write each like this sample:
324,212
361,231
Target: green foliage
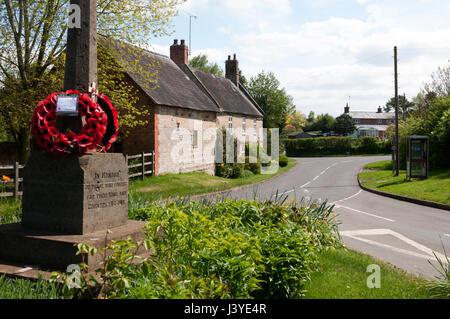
274,101
434,124
283,161
404,106
247,173
440,288
10,210
32,46
28,289
220,249
253,164
344,125
201,62
323,122
322,146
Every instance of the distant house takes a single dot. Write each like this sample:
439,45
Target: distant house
186,101
370,123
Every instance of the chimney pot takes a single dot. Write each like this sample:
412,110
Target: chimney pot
179,53
234,56
232,70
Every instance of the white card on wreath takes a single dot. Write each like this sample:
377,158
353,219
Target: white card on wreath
67,104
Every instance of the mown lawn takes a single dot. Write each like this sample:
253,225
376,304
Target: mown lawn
436,188
343,275
187,184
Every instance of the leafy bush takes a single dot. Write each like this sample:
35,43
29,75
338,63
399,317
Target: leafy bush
253,164
323,146
247,173
283,161
223,249
435,124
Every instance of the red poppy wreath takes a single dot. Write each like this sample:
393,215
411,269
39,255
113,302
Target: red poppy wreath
99,132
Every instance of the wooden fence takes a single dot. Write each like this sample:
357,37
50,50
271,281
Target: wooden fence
6,187
138,168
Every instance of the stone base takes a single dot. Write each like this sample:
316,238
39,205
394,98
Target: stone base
76,195
56,252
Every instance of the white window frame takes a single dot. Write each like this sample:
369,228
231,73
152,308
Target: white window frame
230,122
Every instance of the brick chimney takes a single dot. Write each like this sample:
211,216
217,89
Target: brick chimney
347,109
179,52
232,70
379,110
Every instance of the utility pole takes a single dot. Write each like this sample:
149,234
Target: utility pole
397,140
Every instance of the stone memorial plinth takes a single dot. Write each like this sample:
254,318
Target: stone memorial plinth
76,195
67,201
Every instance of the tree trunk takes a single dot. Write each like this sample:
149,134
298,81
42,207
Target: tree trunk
23,145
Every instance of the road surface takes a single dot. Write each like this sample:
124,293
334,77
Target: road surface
401,233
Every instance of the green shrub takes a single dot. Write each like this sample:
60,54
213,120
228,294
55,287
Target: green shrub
224,249
283,161
247,173
253,164
323,146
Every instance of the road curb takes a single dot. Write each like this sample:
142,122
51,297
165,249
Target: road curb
404,198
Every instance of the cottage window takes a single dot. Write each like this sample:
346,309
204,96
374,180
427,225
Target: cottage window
244,125
380,121
357,121
254,126
195,139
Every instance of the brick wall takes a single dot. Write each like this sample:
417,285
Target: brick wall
141,138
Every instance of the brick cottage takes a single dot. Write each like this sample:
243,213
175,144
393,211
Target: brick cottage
186,100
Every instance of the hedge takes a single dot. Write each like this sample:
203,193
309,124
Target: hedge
322,146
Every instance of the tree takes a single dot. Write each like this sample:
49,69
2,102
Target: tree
296,120
32,45
404,106
440,82
323,122
274,101
344,125
201,62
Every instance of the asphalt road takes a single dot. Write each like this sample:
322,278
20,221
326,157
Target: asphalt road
401,233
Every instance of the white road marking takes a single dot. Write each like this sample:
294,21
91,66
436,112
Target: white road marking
350,197
365,213
430,254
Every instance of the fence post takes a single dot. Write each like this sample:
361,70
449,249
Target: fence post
143,165
16,181
128,170
153,163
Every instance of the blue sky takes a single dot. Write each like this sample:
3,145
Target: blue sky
325,53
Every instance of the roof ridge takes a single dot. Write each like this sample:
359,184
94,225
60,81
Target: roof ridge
203,86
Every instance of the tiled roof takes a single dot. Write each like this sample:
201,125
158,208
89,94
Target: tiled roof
183,86
376,127
231,98
371,115
173,86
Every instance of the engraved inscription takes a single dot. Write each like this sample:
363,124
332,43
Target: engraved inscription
105,193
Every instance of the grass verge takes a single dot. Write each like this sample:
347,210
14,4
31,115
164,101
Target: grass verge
187,184
436,188
343,275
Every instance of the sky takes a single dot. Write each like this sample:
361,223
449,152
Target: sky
325,53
